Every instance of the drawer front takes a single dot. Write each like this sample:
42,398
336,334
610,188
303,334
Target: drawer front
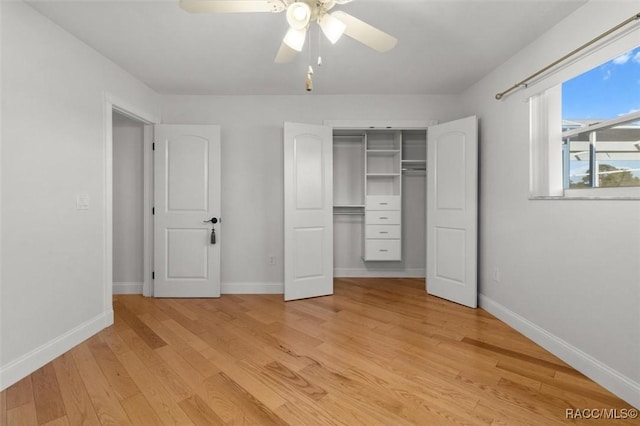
382,202
382,217
384,232
382,250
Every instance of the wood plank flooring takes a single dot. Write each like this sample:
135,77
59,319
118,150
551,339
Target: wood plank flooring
378,352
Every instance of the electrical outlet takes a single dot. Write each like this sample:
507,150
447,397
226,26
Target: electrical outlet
496,275
272,260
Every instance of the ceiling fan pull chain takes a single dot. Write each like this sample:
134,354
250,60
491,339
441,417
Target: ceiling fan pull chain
309,81
319,46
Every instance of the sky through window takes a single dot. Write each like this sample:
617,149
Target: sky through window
607,91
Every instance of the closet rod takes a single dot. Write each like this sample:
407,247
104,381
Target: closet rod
524,83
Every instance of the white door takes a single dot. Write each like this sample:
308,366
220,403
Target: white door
187,193
452,211
308,211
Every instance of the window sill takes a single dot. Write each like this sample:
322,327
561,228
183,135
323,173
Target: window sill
609,194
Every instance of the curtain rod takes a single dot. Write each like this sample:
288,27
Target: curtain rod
524,82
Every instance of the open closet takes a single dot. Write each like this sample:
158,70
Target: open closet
381,200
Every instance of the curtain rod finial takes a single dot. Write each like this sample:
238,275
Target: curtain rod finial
498,96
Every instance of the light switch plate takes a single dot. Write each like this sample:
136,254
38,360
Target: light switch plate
82,201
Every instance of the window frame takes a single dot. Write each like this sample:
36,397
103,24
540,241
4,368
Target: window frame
547,159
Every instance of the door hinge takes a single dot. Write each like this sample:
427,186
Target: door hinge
153,146
153,210
153,275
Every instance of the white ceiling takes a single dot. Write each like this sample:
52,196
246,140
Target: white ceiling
444,46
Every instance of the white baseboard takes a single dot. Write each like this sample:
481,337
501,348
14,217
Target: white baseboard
127,288
372,273
252,288
617,383
31,361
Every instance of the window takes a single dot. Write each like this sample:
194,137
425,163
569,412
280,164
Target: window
606,156
585,130
601,125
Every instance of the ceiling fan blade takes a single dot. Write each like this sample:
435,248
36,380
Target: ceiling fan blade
231,6
285,54
365,33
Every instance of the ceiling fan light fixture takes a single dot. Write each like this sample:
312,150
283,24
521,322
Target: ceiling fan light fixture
298,15
295,39
332,27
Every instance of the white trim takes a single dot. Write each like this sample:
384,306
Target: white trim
380,273
147,206
603,193
545,144
130,110
379,124
31,361
1,68
107,183
127,288
623,386
252,288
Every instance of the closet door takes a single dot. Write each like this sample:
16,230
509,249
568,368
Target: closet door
308,211
452,211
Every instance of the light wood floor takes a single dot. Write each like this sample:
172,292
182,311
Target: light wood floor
378,352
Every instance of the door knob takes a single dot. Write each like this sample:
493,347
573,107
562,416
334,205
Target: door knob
213,221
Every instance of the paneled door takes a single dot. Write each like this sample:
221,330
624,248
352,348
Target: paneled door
308,211
186,200
452,211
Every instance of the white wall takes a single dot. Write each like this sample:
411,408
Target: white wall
128,197
252,162
569,270
53,256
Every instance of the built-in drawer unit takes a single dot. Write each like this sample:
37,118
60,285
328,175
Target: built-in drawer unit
384,232
382,250
383,202
382,217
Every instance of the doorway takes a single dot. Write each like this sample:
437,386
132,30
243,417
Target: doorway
114,105
128,204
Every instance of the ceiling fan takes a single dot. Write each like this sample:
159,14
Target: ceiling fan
300,14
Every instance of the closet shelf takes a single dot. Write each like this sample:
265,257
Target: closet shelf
349,209
414,161
383,151
348,206
382,174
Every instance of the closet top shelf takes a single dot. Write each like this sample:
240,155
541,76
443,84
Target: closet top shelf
389,151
